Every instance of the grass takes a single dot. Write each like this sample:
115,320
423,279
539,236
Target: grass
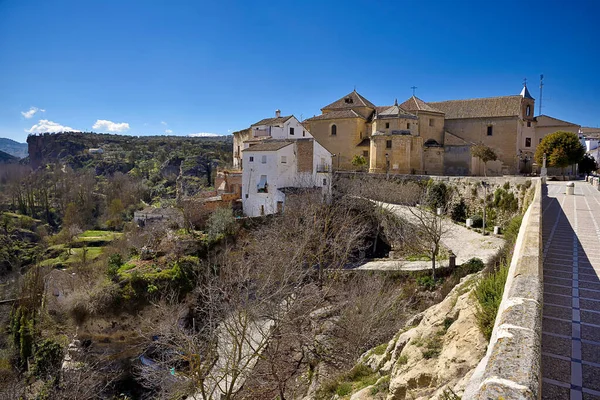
357,378
488,293
379,350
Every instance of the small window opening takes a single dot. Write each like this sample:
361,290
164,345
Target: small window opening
527,142
366,153
251,159
408,125
264,159
431,122
283,159
387,125
333,130
490,130
388,144
291,131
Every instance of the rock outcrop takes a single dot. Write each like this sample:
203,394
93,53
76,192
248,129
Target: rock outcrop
436,354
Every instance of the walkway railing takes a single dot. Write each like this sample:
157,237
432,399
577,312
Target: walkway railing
511,368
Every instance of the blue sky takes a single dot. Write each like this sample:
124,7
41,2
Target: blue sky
150,67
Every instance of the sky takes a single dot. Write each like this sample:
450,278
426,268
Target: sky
187,67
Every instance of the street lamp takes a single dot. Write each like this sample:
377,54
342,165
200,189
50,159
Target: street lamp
485,186
387,166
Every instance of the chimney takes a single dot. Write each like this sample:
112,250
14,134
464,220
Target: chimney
277,113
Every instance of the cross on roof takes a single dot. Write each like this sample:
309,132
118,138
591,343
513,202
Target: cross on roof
413,89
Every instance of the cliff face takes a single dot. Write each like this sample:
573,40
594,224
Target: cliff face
434,356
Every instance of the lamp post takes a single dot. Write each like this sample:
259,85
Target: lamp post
387,166
485,186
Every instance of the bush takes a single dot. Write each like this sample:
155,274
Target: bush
477,221
512,229
488,293
505,201
437,195
47,359
472,266
114,263
458,211
221,223
427,282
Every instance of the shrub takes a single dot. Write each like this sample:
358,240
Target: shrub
221,222
437,195
459,211
512,229
488,293
472,266
477,221
427,282
114,263
505,201
47,359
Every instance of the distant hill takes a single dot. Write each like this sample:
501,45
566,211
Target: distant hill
13,148
6,158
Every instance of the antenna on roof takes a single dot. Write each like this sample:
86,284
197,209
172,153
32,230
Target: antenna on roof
541,87
413,89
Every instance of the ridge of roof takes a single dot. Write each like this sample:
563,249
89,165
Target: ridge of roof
273,121
270,145
416,104
486,107
357,101
336,114
556,119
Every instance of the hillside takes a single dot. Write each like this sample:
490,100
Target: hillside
6,158
13,148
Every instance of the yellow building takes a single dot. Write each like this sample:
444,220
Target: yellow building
435,137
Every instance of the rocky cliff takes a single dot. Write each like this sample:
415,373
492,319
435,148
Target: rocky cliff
434,356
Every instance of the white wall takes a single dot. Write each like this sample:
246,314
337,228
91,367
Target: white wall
283,132
279,175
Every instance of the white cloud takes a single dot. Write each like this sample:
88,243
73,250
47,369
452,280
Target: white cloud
203,134
168,131
164,123
31,112
110,126
45,126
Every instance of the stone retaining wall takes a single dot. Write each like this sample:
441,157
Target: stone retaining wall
511,368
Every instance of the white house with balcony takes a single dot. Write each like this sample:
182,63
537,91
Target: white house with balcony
286,127
272,167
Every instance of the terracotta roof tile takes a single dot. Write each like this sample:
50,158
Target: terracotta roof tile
416,104
270,145
505,106
353,99
336,114
273,121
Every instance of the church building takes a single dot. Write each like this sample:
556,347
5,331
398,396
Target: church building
434,138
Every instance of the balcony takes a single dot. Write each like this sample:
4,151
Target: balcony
324,168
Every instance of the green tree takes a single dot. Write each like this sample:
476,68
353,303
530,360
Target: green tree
485,154
359,162
588,164
561,148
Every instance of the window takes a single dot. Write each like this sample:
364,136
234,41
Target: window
333,130
324,182
540,140
408,125
529,124
246,195
251,159
387,125
490,130
283,159
303,133
262,210
431,122
527,142
262,186
291,131
388,144
366,153
528,111
264,159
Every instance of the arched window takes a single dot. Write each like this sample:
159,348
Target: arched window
528,111
333,130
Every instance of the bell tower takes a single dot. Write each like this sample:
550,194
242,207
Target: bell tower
527,103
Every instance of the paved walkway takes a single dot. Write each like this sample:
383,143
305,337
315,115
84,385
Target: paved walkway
464,243
571,324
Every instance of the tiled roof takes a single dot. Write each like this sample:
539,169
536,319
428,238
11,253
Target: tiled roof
336,115
394,112
353,99
545,120
366,142
270,145
273,121
416,104
505,106
525,93
589,129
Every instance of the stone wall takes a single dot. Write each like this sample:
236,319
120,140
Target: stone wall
350,132
511,368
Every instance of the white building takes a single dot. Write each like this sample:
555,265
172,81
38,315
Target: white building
286,127
273,166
